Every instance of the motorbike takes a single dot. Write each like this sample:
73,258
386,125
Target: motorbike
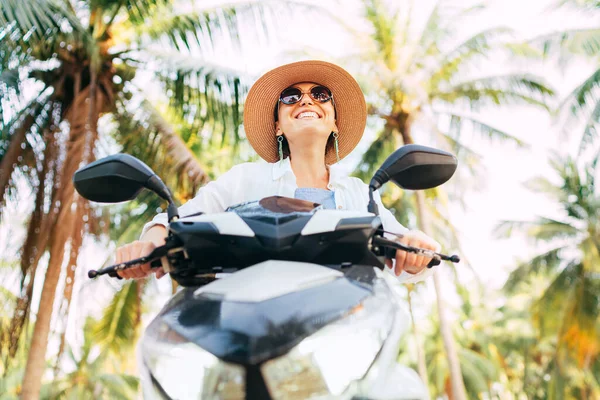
279,298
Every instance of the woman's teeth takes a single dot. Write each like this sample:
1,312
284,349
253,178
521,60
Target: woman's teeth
308,114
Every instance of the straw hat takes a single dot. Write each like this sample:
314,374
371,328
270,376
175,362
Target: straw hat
351,109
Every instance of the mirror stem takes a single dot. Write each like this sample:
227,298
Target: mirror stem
157,186
172,212
372,208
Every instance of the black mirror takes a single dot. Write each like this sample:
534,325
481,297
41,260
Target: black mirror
112,179
120,177
416,167
117,178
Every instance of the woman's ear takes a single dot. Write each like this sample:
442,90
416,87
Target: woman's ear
278,131
336,129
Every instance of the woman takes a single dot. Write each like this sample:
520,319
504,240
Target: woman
301,118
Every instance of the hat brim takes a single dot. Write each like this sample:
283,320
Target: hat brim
351,109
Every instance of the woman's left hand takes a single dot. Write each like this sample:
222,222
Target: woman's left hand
411,262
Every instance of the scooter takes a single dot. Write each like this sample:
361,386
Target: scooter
280,298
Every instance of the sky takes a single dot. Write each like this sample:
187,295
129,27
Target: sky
506,168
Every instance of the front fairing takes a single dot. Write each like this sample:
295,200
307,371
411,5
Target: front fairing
254,335
252,332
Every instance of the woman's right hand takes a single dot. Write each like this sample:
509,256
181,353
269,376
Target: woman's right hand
134,250
153,238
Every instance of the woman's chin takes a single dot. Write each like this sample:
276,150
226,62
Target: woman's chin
309,129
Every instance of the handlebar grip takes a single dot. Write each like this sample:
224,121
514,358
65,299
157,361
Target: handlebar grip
390,252
113,274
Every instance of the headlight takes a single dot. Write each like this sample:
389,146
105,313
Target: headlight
326,363
182,370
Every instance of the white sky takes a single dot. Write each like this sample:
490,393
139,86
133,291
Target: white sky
502,198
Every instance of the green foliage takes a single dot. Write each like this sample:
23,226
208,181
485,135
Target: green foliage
567,310
84,53
90,377
584,100
414,74
118,327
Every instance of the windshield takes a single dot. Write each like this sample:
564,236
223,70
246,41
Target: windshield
275,209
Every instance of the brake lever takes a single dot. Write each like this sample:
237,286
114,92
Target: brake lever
391,247
154,259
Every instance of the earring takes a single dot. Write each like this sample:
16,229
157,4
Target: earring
335,144
280,140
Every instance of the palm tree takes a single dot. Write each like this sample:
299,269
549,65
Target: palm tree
583,102
568,309
419,74
84,56
91,376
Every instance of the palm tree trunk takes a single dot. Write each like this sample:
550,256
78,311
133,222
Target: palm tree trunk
76,242
421,362
10,158
457,384
403,122
61,233
31,252
186,163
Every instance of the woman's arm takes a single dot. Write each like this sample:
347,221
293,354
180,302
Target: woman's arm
215,196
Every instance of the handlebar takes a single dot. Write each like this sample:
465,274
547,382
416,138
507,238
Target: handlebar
391,247
161,251
153,258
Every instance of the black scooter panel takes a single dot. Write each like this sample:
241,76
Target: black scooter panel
251,333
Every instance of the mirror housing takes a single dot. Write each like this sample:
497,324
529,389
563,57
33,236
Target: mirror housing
416,167
118,178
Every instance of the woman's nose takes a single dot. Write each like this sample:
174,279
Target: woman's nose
306,99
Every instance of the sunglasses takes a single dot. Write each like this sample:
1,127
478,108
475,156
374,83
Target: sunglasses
293,95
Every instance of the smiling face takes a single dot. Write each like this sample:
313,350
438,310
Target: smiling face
307,122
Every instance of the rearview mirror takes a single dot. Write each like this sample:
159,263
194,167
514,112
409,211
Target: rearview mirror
112,179
416,167
120,177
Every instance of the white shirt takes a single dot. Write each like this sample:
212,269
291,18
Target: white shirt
254,181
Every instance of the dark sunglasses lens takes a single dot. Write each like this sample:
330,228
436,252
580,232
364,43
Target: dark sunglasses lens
320,93
290,96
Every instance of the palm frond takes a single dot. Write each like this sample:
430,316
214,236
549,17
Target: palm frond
441,25
498,90
544,263
119,324
479,44
187,30
9,79
585,95
544,186
118,386
544,229
37,23
432,31
383,21
148,135
381,147
591,131
139,10
478,371
458,121
547,229
134,215
573,41
205,94
550,309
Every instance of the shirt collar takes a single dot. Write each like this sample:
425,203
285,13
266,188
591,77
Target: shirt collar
336,175
280,168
